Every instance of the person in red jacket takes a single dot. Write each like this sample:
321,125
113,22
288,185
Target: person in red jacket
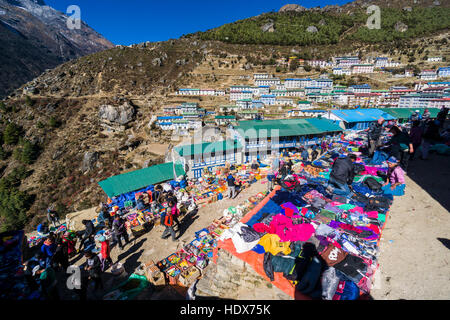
105,252
168,222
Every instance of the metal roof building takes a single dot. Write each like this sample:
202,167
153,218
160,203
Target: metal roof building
358,119
138,179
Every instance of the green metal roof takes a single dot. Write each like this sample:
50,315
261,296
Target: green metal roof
207,147
138,179
225,117
286,127
405,113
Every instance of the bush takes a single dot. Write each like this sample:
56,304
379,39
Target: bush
53,123
14,203
12,133
29,102
27,153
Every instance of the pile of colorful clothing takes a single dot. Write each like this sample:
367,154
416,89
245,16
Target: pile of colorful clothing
325,245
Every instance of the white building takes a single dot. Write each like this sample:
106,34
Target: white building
240,95
297,83
271,82
365,88
428,75
362,68
284,102
434,59
444,72
268,99
258,76
381,62
188,92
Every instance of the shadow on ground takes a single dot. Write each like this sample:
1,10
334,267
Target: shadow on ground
425,173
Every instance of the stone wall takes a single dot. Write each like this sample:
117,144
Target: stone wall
232,278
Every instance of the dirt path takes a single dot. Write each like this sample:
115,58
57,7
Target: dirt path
415,256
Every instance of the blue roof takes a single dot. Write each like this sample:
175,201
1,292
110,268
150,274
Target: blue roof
361,86
169,118
362,115
301,79
267,96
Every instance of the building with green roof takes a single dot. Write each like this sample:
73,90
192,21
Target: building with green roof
261,138
208,155
138,179
403,114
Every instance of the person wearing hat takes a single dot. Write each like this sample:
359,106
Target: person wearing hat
69,239
426,115
396,179
47,280
48,250
52,216
415,116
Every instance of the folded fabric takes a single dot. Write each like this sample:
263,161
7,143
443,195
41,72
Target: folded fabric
272,244
333,255
239,243
346,290
330,282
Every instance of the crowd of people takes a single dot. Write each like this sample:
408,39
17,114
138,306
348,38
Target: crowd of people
399,144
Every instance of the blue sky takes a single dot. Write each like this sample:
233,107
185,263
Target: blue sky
134,21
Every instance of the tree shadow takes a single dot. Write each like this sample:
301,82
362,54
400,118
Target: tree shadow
445,242
431,175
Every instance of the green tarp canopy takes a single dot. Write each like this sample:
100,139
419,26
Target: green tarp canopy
405,113
138,179
207,147
286,127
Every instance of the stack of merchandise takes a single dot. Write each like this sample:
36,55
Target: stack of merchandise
185,266
13,285
36,239
309,242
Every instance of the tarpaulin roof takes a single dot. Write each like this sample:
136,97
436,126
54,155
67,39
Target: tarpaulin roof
207,147
362,115
405,113
285,127
134,180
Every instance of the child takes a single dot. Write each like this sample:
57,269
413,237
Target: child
396,179
105,252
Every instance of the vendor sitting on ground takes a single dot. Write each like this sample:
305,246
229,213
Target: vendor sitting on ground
140,205
396,179
341,176
254,166
42,229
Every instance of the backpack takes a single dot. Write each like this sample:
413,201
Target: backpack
372,184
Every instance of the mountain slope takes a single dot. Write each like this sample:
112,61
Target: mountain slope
35,37
332,25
